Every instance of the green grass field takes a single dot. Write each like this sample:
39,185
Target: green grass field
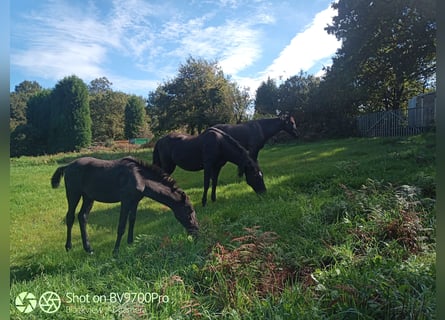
345,231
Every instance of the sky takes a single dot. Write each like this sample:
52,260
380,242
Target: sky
139,44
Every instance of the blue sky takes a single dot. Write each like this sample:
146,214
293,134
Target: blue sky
139,44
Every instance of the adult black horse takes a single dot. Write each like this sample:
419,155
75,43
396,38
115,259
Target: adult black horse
125,180
210,151
253,134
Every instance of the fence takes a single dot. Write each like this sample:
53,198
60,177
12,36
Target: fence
418,118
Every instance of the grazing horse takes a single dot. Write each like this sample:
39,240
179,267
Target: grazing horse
125,180
210,151
253,134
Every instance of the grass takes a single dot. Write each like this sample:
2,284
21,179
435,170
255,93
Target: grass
345,231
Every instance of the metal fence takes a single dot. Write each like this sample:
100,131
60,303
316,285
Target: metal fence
397,122
419,117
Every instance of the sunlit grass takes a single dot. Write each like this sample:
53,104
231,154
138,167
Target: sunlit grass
343,242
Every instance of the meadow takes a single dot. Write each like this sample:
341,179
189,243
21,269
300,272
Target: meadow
346,230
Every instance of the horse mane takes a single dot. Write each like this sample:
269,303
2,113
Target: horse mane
236,144
149,170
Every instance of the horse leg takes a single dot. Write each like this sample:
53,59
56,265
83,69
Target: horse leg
73,200
131,221
87,204
169,168
168,165
121,227
207,175
254,154
215,181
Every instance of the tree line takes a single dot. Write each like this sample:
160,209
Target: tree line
388,54
72,115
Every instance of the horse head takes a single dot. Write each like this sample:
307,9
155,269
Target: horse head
186,214
289,124
254,176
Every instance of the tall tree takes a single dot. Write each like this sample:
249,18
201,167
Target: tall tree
70,121
266,98
99,85
198,97
18,102
135,117
390,45
294,93
38,113
241,102
107,110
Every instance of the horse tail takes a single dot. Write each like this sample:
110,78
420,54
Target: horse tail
55,179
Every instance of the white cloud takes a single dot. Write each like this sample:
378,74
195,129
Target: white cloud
61,41
234,44
66,59
61,38
305,49
241,47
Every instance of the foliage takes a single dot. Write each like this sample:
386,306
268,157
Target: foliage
388,55
347,230
70,121
108,115
199,96
295,93
390,45
135,117
35,110
18,101
99,85
267,98
38,113
241,102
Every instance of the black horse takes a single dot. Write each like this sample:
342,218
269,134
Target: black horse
210,151
125,180
253,134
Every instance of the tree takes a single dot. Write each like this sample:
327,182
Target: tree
200,96
162,108
18,102
294,93
135,117
108,115
266,98
70,121
38,113
99,85
390,46
241,101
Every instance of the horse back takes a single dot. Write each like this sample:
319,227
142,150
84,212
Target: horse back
179,149
247,134
102,180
